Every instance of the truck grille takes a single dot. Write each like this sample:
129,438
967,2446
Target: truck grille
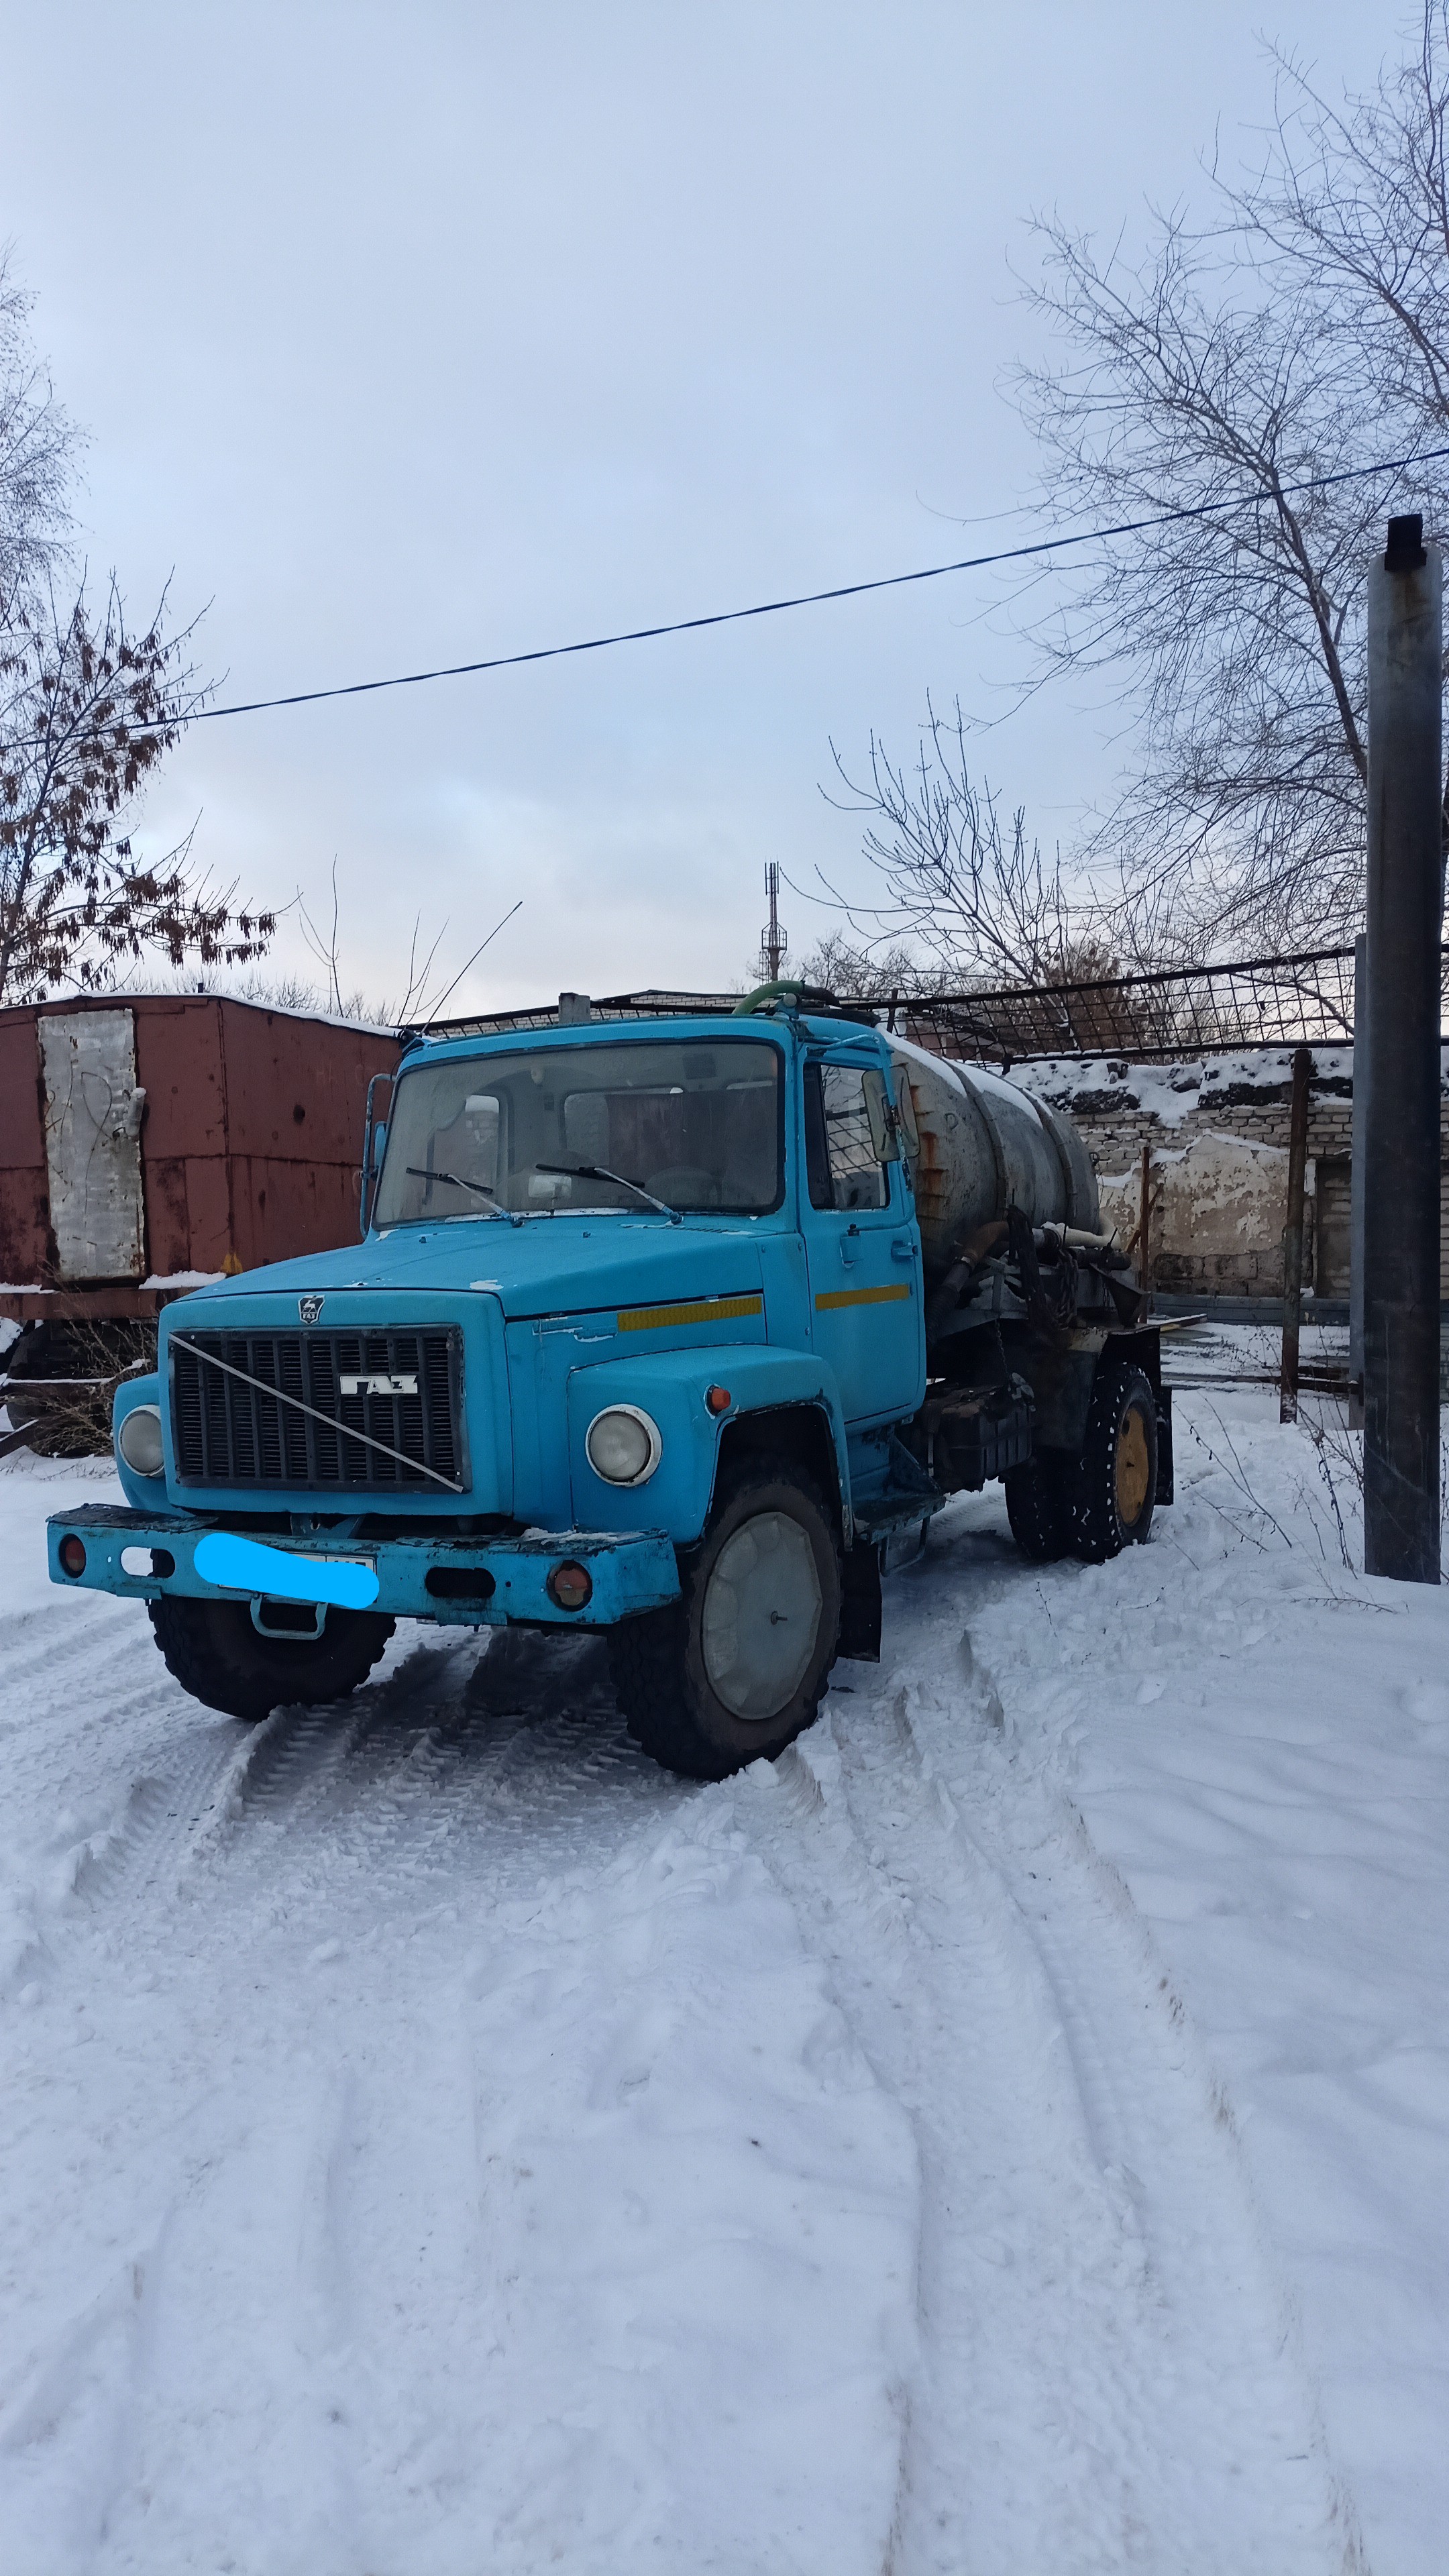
228,1433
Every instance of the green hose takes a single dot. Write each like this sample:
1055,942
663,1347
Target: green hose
766,993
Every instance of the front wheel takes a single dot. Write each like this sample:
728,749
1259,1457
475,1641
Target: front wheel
736,1667
213,1650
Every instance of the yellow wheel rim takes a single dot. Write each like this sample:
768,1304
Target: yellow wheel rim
1134,1467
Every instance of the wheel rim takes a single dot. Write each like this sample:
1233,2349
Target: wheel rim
761,1617
1134,1467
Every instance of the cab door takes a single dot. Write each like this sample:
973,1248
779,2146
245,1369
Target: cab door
862,1244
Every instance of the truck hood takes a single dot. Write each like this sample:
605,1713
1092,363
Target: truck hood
548,1266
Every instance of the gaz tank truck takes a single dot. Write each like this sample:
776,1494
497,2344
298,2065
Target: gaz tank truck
669,1328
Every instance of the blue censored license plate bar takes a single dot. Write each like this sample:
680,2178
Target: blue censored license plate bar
145,1556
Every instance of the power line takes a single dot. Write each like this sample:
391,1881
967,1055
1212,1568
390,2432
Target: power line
803,599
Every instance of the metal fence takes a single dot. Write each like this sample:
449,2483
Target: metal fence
651,1005
1182,1011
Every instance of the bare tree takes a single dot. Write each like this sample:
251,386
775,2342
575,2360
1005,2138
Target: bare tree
39,447
1354,201
87,709
1294,337
421,998
848,967
966,897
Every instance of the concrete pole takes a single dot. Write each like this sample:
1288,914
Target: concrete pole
1356,1180
1401,1160
1293,1235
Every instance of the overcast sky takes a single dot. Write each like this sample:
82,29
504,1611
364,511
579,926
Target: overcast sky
411,334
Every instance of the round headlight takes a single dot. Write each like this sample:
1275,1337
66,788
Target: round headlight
139,1440
623,1445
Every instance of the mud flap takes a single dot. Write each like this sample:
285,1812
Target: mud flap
1164,1444
860,1610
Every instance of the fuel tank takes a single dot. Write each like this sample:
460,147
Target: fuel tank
986,1145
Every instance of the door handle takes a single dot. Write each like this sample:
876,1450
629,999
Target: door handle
903,1247
850,1245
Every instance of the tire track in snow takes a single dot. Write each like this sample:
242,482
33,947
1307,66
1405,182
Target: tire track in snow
1100,2383
496,1753
509,1762
1106,2382
490,2130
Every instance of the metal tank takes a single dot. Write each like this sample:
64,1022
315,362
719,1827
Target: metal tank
987,1146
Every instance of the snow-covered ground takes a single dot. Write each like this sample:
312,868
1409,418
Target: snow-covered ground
1007,2138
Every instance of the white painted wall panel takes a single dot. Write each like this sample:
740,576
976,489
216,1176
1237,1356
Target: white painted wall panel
93,1112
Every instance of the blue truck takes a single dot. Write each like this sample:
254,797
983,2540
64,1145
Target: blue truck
666,1328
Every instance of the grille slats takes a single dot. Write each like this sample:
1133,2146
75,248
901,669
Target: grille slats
226,1433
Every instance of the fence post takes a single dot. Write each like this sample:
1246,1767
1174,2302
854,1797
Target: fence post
1401,1160
1357,1169
1144,1222
1293,1237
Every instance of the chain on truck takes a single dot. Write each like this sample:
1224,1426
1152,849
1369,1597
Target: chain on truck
666,1329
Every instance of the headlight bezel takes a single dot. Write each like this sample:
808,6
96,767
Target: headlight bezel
131,1425
653,1438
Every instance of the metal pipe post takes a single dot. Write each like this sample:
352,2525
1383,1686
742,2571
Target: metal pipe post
1293,1236
1401,1159
1356,1180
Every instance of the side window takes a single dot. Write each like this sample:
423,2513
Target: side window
586,1127
817,1158
481,1114
840,1153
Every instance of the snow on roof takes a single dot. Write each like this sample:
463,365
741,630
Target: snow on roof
1103,1086
125,997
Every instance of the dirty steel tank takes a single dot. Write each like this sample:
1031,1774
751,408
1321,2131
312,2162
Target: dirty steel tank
986,1146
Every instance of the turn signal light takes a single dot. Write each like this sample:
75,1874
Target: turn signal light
571,1585
718,1398
72,1554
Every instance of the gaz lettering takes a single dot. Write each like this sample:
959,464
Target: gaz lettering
379,1382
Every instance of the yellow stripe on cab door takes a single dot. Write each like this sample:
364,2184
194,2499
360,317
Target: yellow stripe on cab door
829,1298
703,1310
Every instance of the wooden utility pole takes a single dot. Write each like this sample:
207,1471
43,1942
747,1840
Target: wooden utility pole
1401,1159
1293,1236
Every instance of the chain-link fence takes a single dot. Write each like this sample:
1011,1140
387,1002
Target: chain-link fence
1305,1000
1192,1010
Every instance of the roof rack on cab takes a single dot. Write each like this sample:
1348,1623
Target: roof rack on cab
580,1009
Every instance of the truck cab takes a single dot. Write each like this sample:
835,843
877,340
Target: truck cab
642,1335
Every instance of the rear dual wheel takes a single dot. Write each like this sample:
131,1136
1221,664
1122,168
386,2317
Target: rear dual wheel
1114,1485
1094,1505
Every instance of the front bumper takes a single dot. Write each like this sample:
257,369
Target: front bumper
629,1573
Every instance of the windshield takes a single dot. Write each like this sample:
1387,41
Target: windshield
696,1123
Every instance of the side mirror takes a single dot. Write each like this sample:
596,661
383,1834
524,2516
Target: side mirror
374,1138
906,1115
880,1110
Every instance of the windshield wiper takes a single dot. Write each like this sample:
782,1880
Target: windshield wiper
596,1172
511,1216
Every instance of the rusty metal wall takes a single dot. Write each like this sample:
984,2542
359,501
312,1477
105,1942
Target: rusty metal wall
24,1184
249,1145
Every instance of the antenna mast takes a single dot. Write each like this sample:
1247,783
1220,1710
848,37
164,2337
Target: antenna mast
774,938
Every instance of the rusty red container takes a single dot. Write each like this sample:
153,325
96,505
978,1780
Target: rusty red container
147,1140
